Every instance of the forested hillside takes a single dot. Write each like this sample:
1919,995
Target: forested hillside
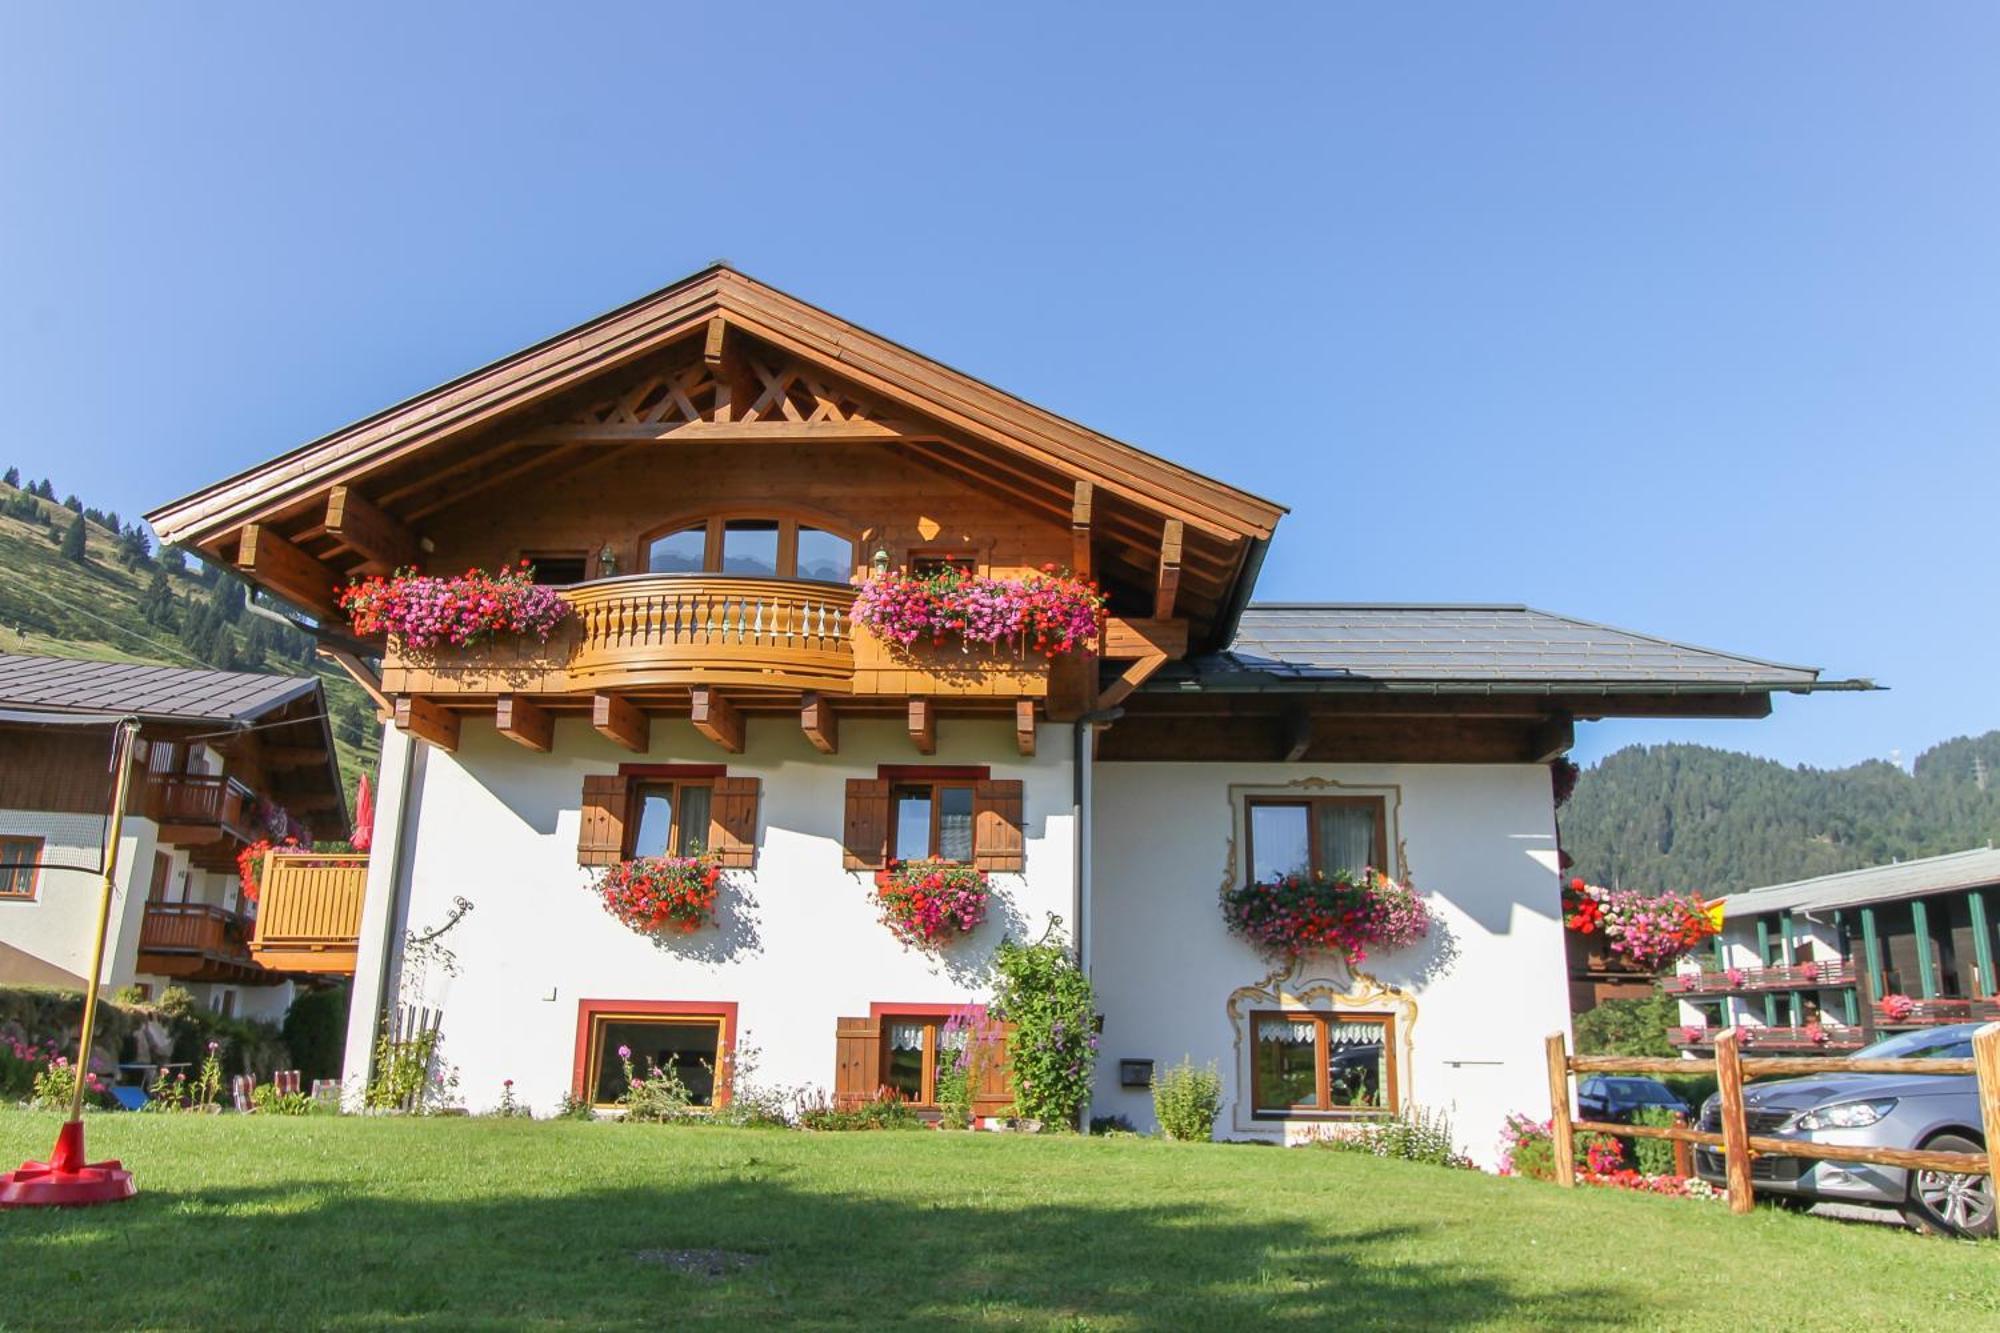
1688,816
76,581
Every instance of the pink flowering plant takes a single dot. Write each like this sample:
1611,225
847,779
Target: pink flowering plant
929,904
1647,930
1050,612
1339,913
1897,1007
427,611
661,895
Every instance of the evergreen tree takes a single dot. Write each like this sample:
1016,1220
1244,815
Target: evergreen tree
173,561
156,603
229,597
47,490
74,505
13,477
74,546
133,548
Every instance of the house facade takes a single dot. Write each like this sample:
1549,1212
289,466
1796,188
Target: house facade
705,476
222,761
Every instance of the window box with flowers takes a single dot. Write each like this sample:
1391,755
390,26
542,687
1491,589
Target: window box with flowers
931,903
1344,912
1052,612
1641,932
661,896
425,612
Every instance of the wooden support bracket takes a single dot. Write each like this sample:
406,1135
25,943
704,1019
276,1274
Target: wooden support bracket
1298,733
286,570
820,723
1081,505
923,725
716,718
1167,587
427,721
711,347
384,542
525,722
1024,726
1126,637
618,718
1551,740
1135,674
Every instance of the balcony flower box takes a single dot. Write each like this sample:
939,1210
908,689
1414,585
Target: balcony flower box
1052,612
423,611
1340,913
1645,932
930,904
661,895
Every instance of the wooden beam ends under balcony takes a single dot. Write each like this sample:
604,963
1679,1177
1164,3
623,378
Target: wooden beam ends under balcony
619,719
717,718
1298,733
525,723
285,569
1126,637
1024,726
820,722
427,721
1080,508
1167,587
923,725
362,526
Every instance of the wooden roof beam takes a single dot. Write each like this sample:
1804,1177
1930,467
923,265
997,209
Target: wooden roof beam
286,570
854,431
362,525
820,723
525,722
1024,726
427,721
1166,588
717,718
1079,529
618,718
923,725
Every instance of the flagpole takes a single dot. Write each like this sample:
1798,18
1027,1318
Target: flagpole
114,833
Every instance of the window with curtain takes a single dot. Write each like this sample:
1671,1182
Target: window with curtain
1328,834
931,819
17,866
914,1048
669,818
1313,1063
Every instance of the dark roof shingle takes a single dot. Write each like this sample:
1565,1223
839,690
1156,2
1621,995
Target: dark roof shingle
194,694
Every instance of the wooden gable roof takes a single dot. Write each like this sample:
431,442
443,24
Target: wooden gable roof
777,369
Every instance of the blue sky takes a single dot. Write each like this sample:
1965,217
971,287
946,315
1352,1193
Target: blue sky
1682,318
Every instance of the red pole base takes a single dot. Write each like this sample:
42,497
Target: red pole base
66,1180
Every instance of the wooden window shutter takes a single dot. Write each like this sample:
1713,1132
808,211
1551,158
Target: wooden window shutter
996,826
995,1094
865,833
857,1062
601,839
732,822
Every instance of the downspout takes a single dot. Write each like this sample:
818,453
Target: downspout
1083,776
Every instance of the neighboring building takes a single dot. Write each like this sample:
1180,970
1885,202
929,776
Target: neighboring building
706,470
223,759
1825,962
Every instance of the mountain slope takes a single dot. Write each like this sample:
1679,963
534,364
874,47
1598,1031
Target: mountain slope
116,605
1689,816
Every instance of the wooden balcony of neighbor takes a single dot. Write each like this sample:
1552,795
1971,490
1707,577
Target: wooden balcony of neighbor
192,809
195,942
309,912
1834,974
641,632
1830,1038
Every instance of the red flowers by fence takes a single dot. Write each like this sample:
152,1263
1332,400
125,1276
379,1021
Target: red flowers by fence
473,607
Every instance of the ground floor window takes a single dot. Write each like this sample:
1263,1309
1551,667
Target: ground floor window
1313,1063
691,1039
17,866
914,1048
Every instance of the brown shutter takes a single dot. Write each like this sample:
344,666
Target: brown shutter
857,1062
732,822
601,839
995,1093
996,826
865,836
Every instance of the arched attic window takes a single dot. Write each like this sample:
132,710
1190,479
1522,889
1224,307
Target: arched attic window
752,546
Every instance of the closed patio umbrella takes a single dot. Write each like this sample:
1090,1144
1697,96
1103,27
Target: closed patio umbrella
364,816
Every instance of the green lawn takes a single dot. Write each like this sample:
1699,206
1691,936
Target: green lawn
252,1222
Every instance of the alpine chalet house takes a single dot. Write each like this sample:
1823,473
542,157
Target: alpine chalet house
815,610
224,762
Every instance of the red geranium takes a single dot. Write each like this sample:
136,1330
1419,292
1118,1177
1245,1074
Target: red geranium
657,895
931,903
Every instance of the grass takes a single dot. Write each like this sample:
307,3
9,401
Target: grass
351,1222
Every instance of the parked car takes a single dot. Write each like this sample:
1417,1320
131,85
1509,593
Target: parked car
1618,1099
1935,1111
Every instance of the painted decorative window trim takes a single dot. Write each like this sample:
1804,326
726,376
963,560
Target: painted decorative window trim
1240,794
1327,993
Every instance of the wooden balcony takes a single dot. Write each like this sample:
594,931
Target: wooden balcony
309,912
659,633
195,942
1935,1013
1830,1038
1832,975
194,809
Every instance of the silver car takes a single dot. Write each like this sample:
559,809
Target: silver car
1935,1111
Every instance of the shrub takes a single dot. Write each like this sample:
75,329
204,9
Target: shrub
657,1096
1186,1102
1113,1126
265,1099
882,1113
176,1003
1048,999
315,1032
1653,1157
1411,1135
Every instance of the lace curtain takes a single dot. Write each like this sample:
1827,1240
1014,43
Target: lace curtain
1354,1034
1347,838
906,1036
1288,1031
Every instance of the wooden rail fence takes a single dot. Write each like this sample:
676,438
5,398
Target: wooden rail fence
1737,1143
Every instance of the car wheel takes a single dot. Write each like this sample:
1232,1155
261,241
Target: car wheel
1952,1205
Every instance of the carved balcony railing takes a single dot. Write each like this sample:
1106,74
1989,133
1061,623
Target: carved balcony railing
194,941
194,807
309,912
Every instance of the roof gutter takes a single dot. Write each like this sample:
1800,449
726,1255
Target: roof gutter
1224,631
1252,683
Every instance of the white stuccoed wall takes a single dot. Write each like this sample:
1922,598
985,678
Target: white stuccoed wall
56,927
497,824
1480,839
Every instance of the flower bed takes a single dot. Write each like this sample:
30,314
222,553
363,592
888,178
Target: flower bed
469,608
1647,930
1341,913
1052,612
661,895
929,904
